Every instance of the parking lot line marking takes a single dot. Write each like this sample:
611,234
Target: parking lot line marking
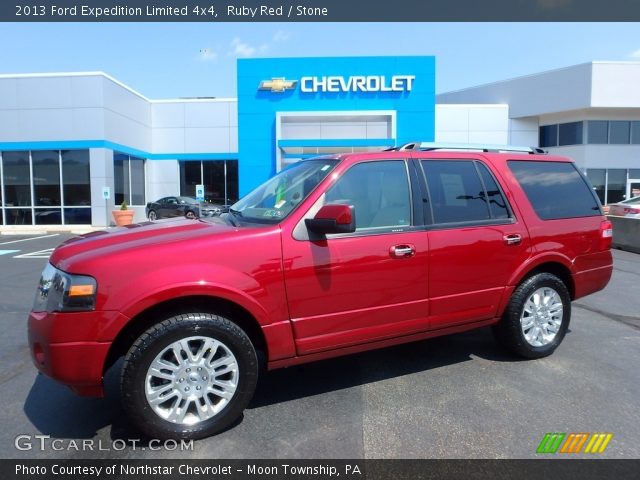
5,252
39,254
33,238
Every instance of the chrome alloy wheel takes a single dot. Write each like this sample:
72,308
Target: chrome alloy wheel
191,380
541,317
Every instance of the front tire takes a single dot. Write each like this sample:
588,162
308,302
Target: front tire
152,215
188,377
537,317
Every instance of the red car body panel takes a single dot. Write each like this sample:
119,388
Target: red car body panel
315,299
60,349
351,290
465,254
211,260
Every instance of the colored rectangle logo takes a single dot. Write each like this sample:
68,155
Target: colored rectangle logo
582,442
550,443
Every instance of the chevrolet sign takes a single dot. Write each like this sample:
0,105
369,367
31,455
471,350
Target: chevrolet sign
277,85
357,83
339,84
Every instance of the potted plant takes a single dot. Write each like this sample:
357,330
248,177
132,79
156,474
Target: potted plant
123,216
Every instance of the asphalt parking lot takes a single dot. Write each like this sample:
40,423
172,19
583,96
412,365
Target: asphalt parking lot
452,397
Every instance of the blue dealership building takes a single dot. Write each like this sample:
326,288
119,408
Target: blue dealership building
73,146
325,105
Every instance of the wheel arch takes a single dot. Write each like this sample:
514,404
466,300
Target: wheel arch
553,266
195,303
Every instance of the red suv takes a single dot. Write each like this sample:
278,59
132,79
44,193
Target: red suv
332,256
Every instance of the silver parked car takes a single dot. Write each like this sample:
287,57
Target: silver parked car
626,208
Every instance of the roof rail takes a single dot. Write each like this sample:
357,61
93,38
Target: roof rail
406,146
481,147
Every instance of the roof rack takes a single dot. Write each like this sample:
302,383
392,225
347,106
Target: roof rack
403,147
480,147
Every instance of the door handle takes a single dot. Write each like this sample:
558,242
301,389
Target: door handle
513,239
402,251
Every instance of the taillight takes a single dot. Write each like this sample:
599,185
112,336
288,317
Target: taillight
606,235
628,210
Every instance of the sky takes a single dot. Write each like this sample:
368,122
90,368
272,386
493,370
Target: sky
170,60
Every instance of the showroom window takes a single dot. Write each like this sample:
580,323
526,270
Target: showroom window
570,133
128,178
561,134
595,132
614,132
635,133
620,133
611,184
45,187
76,187
616,184
598,131
219,177
549,136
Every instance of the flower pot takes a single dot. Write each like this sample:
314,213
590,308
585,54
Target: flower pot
123,217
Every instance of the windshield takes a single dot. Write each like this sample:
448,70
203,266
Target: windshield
277,197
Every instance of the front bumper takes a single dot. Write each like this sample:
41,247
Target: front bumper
59,349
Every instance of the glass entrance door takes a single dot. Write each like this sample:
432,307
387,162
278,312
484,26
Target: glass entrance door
219,177
633,187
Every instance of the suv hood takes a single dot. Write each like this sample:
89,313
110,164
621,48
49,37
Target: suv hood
140,236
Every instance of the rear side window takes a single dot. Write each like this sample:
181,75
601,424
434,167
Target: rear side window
497,203
456,192
555,189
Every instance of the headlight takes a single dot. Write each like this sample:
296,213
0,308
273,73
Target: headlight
59,291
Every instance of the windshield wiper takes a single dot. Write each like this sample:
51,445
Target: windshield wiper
231,214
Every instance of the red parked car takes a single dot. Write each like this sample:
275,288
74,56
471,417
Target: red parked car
332,256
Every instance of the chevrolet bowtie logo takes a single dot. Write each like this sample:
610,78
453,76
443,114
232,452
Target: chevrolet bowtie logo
278,85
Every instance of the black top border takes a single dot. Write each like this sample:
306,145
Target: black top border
320,11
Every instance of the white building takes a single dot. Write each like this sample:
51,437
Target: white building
589,112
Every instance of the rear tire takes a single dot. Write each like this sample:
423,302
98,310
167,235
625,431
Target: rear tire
188,377
537,317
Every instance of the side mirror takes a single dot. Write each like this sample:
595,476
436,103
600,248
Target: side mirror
333,219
